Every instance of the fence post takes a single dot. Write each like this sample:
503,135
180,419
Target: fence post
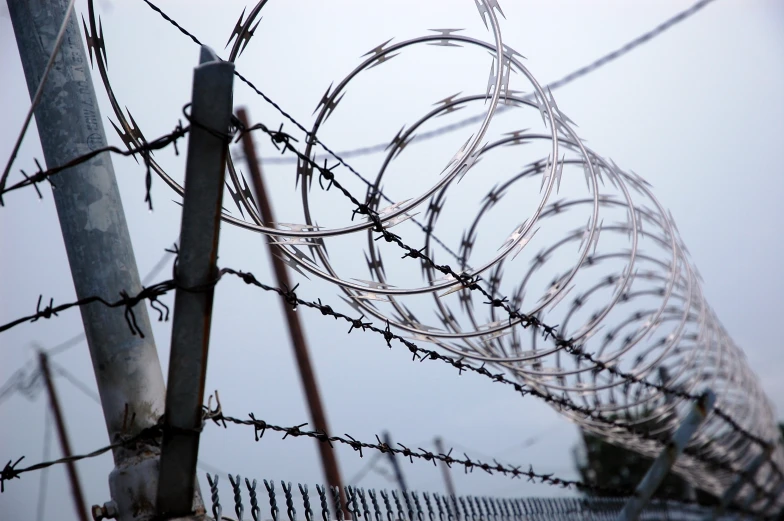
296,332
210,118
741,480
98,245
664,462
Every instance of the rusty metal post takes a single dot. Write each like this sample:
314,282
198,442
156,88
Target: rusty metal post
196,271
306,372
664,462
450,487
70,467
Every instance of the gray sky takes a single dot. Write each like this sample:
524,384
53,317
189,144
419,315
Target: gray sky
698,112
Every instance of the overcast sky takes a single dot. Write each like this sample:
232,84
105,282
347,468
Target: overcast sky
698,112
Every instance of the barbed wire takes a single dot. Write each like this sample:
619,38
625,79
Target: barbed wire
418,353
126,301
464,280
327,175
11,470
261,426
312,137
278,137
282,141
145,150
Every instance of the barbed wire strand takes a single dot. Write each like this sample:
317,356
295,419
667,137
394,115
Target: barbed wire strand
260,427
587,69
418,353
144,150
128,302
282,140
548,331
17,383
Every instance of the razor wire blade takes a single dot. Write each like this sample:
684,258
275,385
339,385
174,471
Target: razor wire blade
634,297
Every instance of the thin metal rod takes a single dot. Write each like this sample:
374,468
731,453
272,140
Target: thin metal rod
73,478
401,480
37,97
666,459
211,112
97,242
301,353
450,487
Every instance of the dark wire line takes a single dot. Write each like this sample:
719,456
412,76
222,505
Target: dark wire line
154,292
14,382
78,339
554,85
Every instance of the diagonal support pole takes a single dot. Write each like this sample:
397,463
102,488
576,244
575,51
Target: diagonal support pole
196,272
76,488
296,332
666,459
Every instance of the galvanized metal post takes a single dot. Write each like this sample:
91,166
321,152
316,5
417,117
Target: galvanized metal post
740,480
98,245
306,372
76,489
664,462
211,112
450,487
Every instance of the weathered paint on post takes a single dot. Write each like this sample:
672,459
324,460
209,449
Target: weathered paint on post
196,271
